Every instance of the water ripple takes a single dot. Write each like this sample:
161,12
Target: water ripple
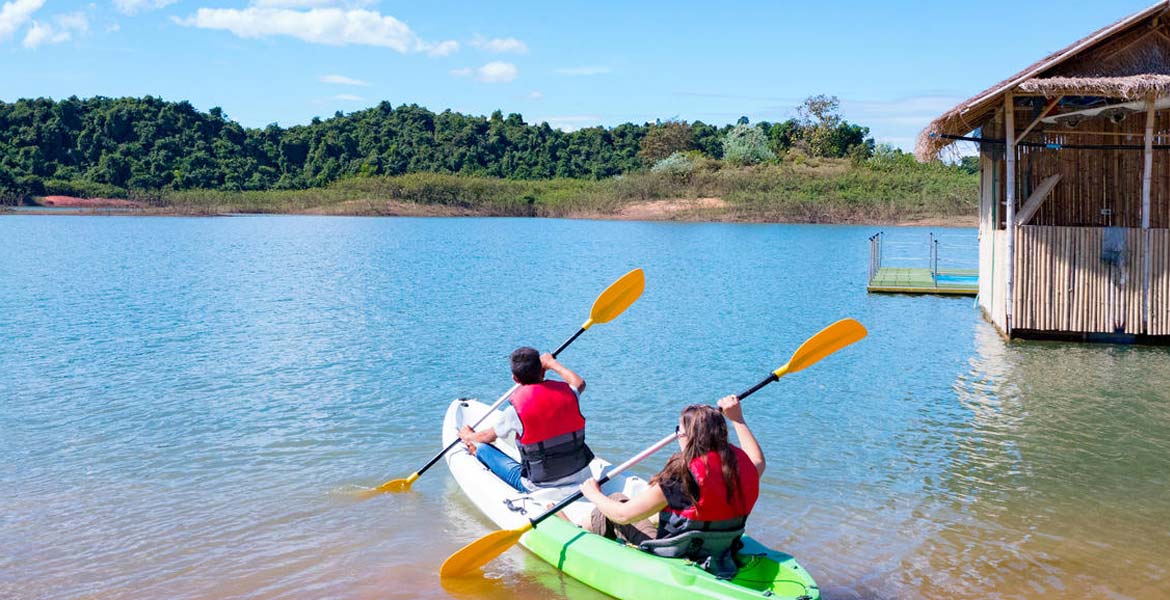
185,403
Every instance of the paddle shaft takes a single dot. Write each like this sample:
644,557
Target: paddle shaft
497,404
660,444
755,388
618,469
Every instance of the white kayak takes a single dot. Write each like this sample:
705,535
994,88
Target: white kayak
610,566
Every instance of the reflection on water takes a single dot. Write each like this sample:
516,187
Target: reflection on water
186,405
1059,480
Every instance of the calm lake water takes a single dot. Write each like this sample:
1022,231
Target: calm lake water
187,405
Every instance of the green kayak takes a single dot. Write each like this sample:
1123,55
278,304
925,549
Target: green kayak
607,565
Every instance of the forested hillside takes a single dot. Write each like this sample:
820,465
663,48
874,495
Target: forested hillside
115,146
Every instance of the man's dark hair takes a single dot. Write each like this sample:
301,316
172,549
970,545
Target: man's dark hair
526,365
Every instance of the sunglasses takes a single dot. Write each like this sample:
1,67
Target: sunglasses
678,431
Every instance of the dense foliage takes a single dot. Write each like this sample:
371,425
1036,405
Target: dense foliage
807,189
746,145
111,146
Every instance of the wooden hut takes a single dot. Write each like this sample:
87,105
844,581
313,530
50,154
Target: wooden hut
1075,186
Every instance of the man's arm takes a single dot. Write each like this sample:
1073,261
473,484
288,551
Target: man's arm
485,436
574,380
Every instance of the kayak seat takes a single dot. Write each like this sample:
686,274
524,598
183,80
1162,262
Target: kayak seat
713,551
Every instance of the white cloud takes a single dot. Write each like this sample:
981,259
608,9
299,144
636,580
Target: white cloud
915,110
348,97
446,48
898,121
16,13
311,3
493,72
40,33
113,28
497,72
594,70
571,122
62,31
130,7
76,21
328,26
343,80
499,45
535,95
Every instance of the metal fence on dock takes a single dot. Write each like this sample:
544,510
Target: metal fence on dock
941,262
905,257
875,254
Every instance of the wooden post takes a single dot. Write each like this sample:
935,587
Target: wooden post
1147,176
1009,114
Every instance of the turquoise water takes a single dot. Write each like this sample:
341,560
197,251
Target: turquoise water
188,405
957,279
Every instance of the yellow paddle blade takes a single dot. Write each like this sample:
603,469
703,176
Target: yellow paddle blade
829,340
480,552
616,298
394,485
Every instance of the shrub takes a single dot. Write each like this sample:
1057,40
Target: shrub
676,165
888,158
83,189
746,145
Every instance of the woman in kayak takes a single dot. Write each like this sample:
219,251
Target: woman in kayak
702,496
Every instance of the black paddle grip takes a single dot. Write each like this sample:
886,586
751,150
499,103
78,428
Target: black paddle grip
755,388
568,341
435,458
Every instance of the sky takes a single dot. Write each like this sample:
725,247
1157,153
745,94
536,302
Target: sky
894,65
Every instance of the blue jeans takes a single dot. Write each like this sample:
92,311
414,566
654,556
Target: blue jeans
501,464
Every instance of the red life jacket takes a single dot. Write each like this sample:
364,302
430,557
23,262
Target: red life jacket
708,532
546,410
552,445
712,504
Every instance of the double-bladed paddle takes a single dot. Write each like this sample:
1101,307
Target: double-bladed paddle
612,302
481,551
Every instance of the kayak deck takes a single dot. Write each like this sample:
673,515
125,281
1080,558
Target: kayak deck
608,565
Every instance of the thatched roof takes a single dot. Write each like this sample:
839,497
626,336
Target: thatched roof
1134,87
1129,59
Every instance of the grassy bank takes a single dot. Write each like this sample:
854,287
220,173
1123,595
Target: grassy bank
809,191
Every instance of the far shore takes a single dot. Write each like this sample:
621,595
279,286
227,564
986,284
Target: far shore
688,210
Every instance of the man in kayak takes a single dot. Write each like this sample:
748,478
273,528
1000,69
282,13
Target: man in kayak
703,495
545,416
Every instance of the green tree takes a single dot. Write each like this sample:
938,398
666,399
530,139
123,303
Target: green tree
823,132
665,139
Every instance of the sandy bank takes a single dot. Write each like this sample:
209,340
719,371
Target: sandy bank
705,209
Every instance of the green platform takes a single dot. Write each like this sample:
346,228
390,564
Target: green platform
958,282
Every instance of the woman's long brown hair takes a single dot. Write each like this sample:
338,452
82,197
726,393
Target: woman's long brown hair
705,430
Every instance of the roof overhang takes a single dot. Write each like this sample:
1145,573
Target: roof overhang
974,112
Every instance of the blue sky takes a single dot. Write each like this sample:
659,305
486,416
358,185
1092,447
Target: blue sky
894,65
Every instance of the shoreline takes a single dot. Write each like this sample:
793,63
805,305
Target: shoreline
670,212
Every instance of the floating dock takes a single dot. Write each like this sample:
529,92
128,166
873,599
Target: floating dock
890,280
928,280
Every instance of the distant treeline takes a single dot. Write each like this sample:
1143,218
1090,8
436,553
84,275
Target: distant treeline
117,146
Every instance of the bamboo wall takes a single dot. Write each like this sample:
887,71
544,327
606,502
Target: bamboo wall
1159,282
1092,179
1063,285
